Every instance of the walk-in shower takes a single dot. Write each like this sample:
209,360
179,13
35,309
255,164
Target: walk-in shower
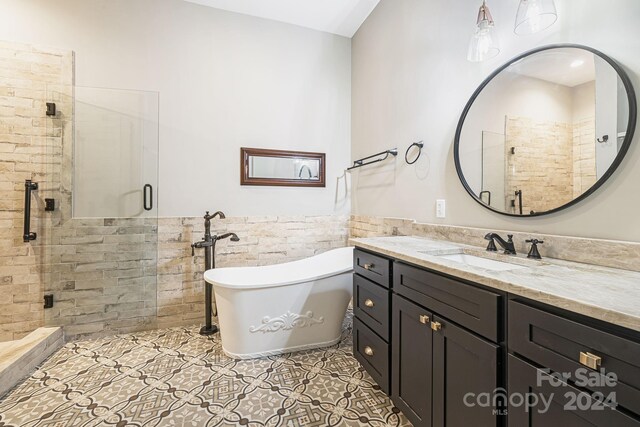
100,253
78,206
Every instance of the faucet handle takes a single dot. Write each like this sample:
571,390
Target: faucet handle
533,252
510,236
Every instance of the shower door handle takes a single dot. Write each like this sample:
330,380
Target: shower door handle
519,196
29,186
148,201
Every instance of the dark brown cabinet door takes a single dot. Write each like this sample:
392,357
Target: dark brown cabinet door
411,346
555,403
463,363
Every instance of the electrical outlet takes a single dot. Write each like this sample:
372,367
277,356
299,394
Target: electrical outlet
441,208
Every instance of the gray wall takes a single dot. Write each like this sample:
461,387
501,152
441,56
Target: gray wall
225,81
411,81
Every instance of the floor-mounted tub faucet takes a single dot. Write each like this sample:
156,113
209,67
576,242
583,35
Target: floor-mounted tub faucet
209,245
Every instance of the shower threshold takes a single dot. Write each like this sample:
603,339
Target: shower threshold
20,358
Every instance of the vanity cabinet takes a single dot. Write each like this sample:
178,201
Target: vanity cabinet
462,363
426,339
372,352
558,403
605,365
373,267
412,361
435,363
434,343
371,305
371,309
467,305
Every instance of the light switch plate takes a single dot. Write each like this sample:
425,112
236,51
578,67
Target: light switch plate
441,208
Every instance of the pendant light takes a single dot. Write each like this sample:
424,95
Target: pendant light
534,16
484,43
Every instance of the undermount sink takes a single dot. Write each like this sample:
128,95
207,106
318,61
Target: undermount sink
476,261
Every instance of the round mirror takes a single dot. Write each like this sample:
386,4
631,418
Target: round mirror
545,130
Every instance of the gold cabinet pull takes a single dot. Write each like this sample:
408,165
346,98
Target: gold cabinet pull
436,326
368,266
368,351
424,319
368,303
590,360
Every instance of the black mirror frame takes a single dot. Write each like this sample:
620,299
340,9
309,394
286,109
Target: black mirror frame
631,126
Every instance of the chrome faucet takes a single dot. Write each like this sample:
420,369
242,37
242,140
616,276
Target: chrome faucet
508,246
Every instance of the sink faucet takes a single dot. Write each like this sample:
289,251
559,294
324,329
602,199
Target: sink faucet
508,246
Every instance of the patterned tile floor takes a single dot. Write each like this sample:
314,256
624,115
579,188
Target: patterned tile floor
175,377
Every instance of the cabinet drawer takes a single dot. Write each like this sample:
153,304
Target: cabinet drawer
555,342
371,305
559,404
373,267
372,353
466,305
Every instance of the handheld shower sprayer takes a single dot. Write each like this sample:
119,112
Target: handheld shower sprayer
234,237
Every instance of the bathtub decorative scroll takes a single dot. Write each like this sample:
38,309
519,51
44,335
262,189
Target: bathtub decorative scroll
286,322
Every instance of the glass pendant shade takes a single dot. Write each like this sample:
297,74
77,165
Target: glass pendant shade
534,16
484,42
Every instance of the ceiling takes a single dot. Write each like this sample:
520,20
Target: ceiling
568,66
342,17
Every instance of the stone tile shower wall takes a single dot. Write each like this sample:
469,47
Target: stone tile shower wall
102,275
554,162
26,75
584,155
541,165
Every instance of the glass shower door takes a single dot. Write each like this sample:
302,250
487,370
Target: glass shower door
102,238
493,170
116,153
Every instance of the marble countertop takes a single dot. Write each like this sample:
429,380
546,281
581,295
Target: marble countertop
607,294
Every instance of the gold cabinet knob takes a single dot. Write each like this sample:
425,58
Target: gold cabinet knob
436,326
368,303
590,360
368,266
424,319
368,351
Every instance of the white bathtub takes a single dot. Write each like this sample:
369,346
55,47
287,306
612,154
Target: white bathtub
275,309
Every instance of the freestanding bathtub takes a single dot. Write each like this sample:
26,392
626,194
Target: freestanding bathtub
275,309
